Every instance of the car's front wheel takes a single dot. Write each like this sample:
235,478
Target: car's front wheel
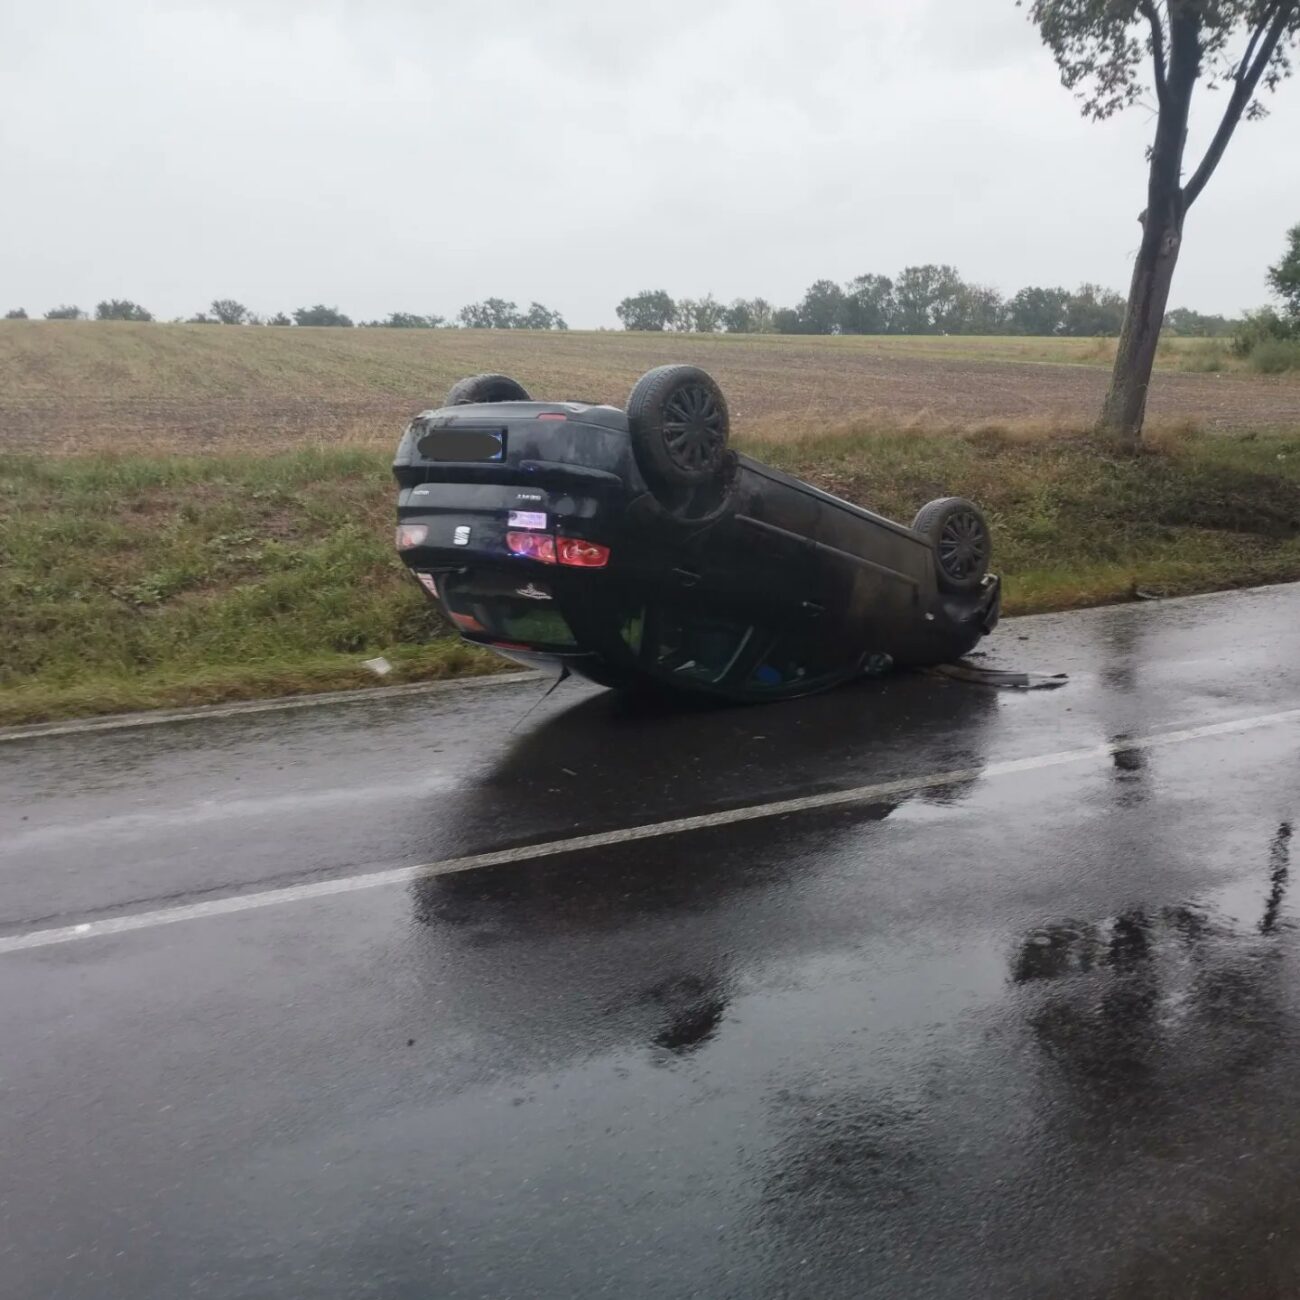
959,540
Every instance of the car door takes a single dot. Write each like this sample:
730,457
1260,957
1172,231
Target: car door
862,576
765,555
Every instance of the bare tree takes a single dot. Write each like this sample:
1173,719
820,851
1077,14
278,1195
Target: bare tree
1104,49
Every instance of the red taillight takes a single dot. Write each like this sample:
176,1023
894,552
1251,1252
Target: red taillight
409,535
552,415
532,546
582,554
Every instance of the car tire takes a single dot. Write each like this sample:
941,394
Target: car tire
679,424
486,388
959,540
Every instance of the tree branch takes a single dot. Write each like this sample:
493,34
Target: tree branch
1249,52
1148,8
1267,34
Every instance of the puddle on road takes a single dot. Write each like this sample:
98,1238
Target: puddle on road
1141,1005
1249,900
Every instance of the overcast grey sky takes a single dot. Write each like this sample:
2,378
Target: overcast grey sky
418,154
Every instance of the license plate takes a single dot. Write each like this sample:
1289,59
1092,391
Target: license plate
463,444
526,519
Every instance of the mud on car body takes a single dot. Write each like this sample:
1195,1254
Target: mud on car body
634,547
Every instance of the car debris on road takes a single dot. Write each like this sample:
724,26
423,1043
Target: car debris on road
999,677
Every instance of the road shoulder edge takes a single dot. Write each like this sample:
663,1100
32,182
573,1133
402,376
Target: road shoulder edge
279,703
371,694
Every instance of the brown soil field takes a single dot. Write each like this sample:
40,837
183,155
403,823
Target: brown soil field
82,386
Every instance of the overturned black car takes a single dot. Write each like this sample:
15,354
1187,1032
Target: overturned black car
635,548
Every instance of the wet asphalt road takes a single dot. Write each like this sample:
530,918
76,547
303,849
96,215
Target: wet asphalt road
1032,1030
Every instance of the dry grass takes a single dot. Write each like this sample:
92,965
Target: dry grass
70,386
778,431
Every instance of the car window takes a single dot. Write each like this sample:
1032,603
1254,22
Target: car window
632,629
799,657
531,624
506,607
692,645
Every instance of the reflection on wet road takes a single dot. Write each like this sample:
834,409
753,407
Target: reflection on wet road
1018,1036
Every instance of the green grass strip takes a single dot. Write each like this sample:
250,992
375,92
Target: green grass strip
140,581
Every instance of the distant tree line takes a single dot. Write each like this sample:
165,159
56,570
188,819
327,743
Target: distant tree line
111,309
930,299
926,299
1271,337
492,313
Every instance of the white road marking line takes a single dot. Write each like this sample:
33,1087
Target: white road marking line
48,938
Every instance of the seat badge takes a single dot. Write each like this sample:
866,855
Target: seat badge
534,593
461,536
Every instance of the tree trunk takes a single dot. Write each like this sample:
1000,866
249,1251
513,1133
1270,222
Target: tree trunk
1148,297
1162,228
1176,53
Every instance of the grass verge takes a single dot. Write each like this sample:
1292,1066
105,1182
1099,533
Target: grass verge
150,581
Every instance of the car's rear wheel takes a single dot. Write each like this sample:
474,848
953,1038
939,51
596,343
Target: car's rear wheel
486,388
679,423
959,540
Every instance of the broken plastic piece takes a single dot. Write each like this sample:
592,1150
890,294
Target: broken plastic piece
1000,677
